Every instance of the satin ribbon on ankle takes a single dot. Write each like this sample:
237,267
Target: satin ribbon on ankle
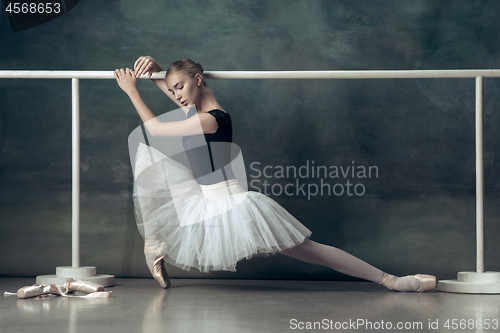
389,281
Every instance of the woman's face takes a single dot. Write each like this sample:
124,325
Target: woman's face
184,88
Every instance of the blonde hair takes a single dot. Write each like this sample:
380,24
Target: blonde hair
188,67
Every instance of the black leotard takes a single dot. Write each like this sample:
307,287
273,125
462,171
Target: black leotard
208,161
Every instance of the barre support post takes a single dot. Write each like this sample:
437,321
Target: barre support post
480,281
75,271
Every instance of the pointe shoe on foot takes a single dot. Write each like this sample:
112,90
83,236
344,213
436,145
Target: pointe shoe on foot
158,266
160,273
426,282
37,290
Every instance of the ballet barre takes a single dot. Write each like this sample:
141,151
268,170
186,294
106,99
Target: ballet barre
262,75
467,282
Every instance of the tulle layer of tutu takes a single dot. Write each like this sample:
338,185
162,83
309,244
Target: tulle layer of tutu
206,227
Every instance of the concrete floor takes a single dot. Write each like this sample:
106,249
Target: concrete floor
140,305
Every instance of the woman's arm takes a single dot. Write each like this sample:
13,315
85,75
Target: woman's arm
203,123
147,65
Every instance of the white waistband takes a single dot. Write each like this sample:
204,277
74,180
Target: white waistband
216,186
225,189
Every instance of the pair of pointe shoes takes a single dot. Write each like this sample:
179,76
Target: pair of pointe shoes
94,290
427,282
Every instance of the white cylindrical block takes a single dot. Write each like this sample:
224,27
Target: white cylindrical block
486,277
70,272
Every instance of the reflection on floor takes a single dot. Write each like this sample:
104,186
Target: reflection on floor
140,305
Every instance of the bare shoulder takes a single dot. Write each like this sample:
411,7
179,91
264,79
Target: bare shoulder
208,122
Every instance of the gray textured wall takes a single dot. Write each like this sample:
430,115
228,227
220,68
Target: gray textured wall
417,216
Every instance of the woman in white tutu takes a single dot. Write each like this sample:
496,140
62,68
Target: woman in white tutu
204,217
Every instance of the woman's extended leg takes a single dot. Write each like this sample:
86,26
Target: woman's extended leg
329,256
341,261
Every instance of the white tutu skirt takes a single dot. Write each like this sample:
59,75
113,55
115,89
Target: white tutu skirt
208,227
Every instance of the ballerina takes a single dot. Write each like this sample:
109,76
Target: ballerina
210,221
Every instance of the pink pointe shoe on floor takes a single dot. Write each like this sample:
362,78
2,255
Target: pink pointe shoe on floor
93,290
85,286
38,290
427,282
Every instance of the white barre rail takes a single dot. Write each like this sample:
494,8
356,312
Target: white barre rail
478,74
244,75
